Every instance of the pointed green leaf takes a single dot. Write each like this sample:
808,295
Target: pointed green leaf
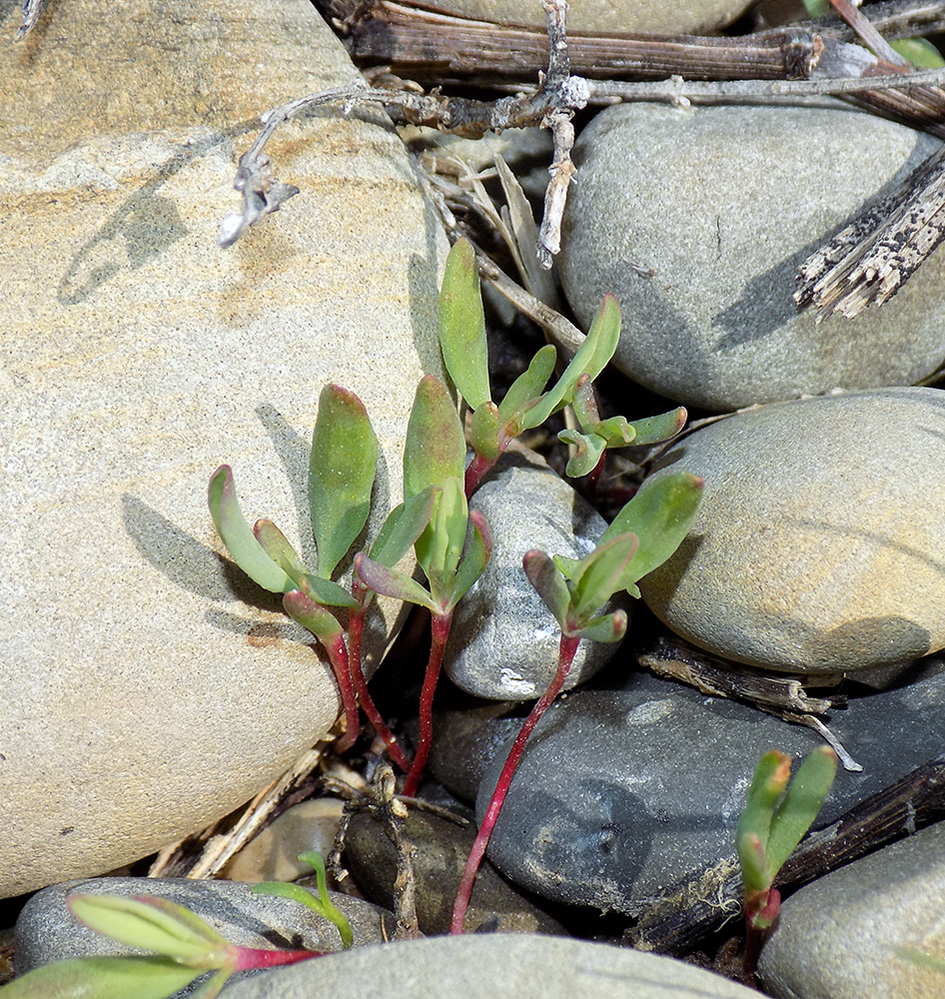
314,860
440,545
312,616
484,427
155,924
103,978
238,536
391,583
655,429
600,576
566,566
214,986
528,387
549,584
660,515
589,449
285,889
606,628
341,474
463,325
404,524
767,785
592,357
435,448
800,806
275,544
476,554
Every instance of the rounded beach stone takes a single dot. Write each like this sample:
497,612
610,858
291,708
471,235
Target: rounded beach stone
819,545
840,937
493,966
663,17
697,220
148,687
504,641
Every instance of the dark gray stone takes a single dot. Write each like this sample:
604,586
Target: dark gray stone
622,793
838,938
46,930
492,967
819,544
504,641
723,204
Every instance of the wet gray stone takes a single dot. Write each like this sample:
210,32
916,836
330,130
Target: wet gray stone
492,967
723,223
838,938
623,792
46,931
819,544
504,641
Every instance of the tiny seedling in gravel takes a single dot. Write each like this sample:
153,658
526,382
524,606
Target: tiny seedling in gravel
526,404
775,818
453,549
183,947
341,476
643,535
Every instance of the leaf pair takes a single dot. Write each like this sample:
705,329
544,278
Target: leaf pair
643,535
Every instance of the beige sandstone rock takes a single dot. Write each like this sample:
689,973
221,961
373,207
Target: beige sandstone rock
146,688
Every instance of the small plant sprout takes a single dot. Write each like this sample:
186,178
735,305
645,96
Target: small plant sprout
322,904
453,549
776,816
645,533
341,476
527,404
184,947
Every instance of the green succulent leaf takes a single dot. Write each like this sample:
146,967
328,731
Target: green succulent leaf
314,860
324,591
660,515
463,325
150,923
655,429
606,628
312,616
601,576
103,978
275,544
592,357
342,465
800,806
754,824
919,51
440,546
528,387
484,430
549,584
238,536
391,583
567,566
213,986
589,449
404,524
476,554
435,448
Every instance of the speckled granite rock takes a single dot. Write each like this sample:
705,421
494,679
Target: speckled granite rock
493,967
46,931
723,204
819,545
627,789
504,641
148,688
839,937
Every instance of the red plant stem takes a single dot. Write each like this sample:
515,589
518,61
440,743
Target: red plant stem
338,657
757,932
355,631
476,471
440,630
566,650
253,957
